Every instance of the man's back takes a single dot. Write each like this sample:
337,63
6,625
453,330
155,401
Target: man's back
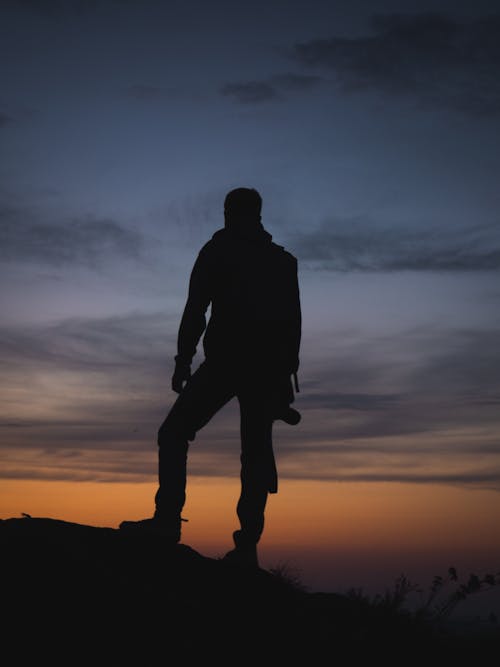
252,287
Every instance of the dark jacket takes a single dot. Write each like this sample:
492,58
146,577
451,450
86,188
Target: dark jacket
251,285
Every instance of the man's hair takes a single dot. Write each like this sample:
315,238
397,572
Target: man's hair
243,203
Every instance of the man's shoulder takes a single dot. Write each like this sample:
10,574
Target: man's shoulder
213,244
221,243
284,254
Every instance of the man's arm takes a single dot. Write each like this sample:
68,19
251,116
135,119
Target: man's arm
296,333
193,321
292,333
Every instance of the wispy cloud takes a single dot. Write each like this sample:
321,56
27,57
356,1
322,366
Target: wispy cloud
27,235
250,92
438,59
364,245
5,119
269,89
99,389
147,93
57,8
78,394
129,341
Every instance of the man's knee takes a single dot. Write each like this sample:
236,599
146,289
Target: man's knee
174,433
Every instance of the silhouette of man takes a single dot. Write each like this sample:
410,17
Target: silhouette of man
251,352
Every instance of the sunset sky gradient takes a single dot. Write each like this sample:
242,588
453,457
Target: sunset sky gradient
372,132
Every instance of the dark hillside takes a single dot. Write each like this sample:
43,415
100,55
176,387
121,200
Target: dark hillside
84,594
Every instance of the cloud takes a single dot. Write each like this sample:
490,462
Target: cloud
440,60
250,92
444,396
461,366
27,236
351,401
77,393
128,341
49,7
489,479
147,93
439,424
270,89
58,8
362,245
295,82
83,399
5,119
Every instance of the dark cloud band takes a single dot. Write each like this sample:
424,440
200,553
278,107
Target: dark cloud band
362,245
273,88
434,57
27,236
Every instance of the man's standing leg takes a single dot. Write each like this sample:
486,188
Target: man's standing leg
205,393
257,474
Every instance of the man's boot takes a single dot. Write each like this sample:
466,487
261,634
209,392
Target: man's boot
168,528
244,553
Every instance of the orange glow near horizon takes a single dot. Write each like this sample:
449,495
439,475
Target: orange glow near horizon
328,530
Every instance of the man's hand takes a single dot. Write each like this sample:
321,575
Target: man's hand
181,375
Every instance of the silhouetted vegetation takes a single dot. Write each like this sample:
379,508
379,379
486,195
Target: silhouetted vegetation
289,576
441,599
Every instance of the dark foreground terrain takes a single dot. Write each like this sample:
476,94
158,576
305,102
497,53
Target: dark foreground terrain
78,594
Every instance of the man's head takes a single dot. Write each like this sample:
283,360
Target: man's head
242,205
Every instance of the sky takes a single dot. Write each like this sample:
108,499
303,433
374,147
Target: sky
371,130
